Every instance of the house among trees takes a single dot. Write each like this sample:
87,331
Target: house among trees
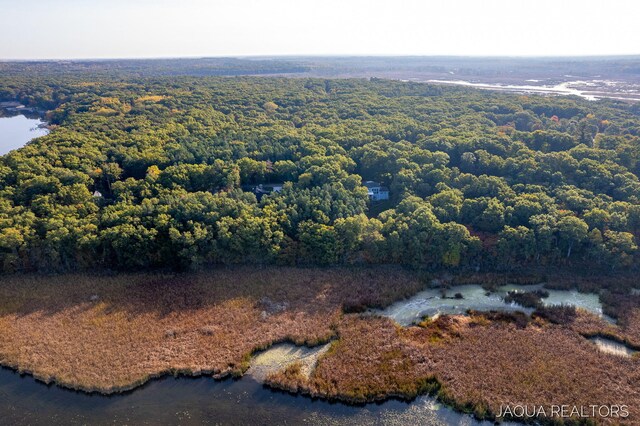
14,107
376,192
267,188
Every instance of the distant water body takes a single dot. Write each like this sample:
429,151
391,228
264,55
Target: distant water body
16,131
591,90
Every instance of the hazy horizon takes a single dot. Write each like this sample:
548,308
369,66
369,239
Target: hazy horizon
146,29
320,56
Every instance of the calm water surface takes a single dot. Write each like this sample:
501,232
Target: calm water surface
16,131
194,401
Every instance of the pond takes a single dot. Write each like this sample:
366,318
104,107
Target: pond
431,302
17,130
191,401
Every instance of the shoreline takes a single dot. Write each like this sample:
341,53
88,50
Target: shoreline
432,393
272,388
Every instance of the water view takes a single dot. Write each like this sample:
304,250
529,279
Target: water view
591,90
17,130
190,401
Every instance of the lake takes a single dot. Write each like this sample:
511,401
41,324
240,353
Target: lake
17,130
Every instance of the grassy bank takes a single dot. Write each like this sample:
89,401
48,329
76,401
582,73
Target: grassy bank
475,364
109,333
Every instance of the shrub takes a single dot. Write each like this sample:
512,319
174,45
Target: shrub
526,299
557,314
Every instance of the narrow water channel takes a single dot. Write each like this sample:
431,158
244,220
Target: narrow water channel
195,401
612,347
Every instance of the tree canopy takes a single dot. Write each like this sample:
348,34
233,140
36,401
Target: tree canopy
477,178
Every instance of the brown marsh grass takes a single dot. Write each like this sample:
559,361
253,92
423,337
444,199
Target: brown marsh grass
107,334
476,363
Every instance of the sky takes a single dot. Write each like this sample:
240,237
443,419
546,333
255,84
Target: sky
72,29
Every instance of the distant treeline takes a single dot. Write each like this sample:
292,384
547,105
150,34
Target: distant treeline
158,172
626,68
118,68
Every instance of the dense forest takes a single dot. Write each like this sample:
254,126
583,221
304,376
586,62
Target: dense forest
160,171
